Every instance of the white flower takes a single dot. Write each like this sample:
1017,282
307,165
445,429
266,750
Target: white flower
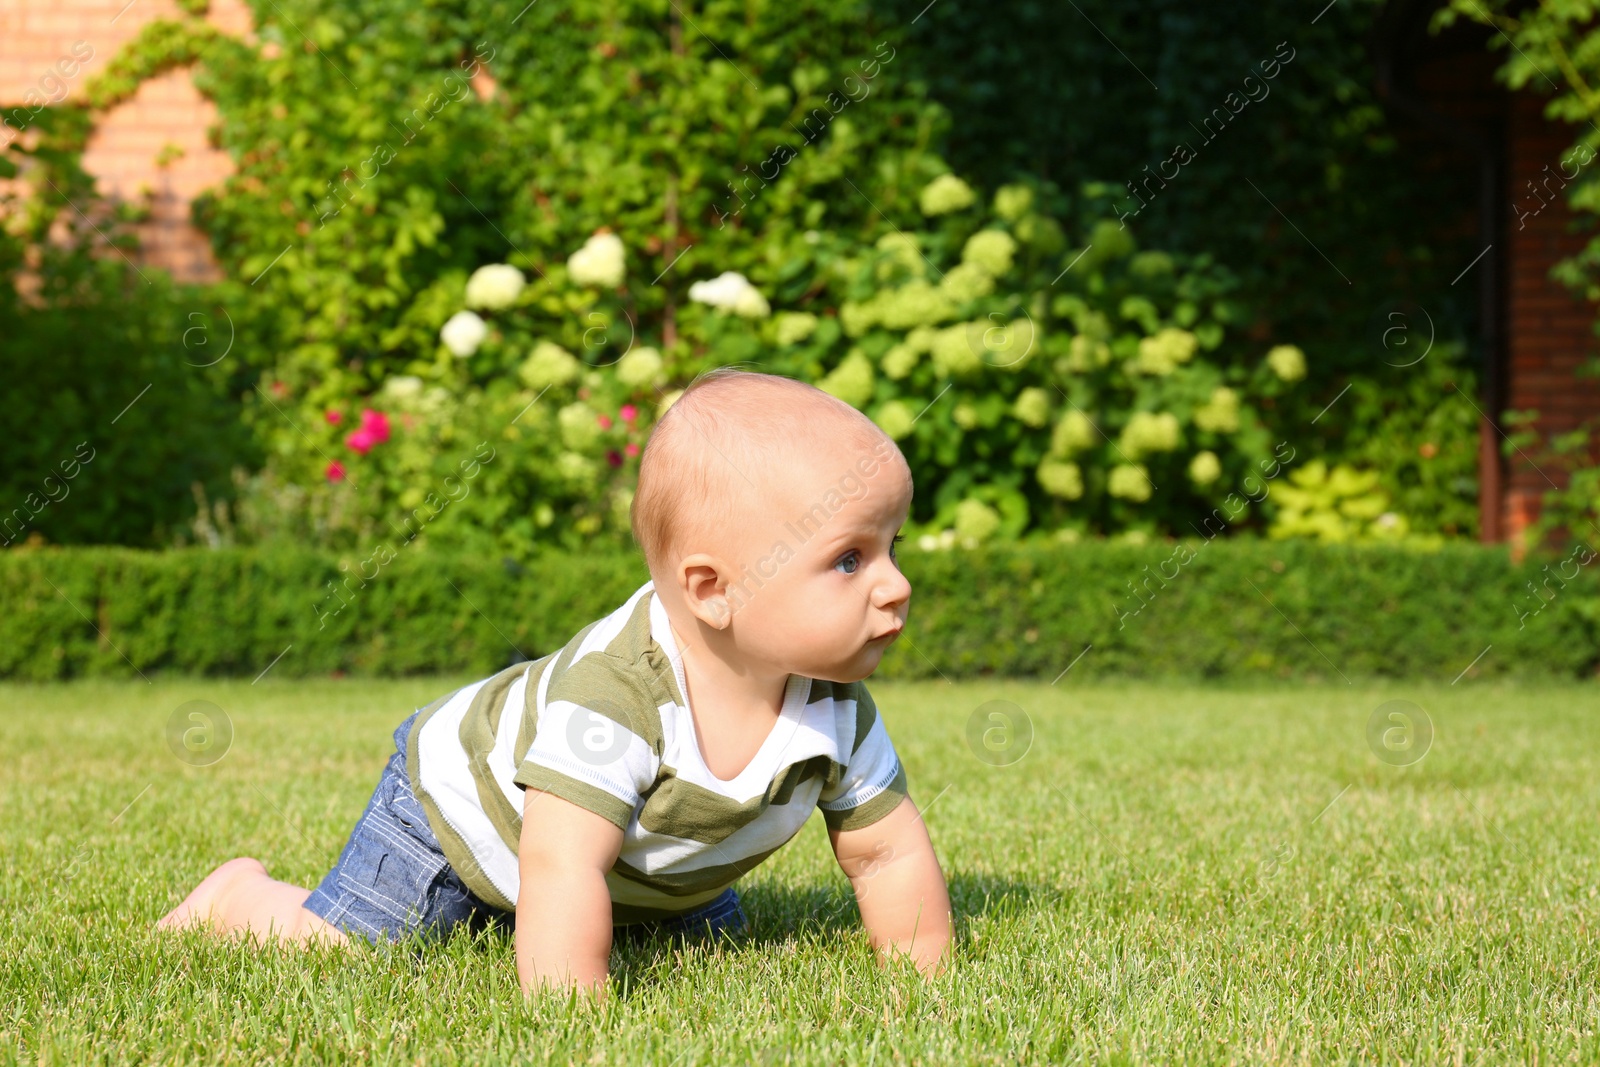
463,334
795,326
640,367
1130,481
945,194
405,386
1287,362
598,263
496,286
731,291
1205,468
549,364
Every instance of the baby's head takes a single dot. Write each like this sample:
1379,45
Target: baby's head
767,511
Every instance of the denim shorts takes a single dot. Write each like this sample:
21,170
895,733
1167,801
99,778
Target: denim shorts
393,880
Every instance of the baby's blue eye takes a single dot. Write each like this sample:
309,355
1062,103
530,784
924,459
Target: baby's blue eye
853,559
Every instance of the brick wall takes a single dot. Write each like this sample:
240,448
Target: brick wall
47,50
1551,331
1547,332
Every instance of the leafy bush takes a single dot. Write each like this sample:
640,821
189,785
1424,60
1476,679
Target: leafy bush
619,162
119,400
1328,612
1072,381
1040,371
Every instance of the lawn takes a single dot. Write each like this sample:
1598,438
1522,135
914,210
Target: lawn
1169,872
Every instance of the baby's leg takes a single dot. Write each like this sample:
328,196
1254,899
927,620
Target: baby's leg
239,898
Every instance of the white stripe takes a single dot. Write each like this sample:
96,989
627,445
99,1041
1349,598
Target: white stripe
562,721
664,854
803,731
869,772
866,792
502,757
446,777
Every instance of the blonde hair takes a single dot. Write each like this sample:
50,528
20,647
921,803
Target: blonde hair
716,446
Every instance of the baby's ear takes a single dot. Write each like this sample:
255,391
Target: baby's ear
703,591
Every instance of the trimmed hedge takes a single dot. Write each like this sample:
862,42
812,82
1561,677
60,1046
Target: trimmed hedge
1204,609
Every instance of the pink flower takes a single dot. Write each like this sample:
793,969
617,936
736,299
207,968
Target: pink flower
605,422
614,457
628,413
376,423
336,471
631,449
361,440
333,418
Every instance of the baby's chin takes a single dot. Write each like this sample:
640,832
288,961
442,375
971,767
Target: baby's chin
857,670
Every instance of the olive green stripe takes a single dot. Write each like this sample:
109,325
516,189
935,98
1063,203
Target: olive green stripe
682,809
633,636
662,678
822,689
866,715
591,797
873,810
608,686
477,734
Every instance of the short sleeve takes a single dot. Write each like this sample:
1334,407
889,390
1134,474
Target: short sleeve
593,743
873,783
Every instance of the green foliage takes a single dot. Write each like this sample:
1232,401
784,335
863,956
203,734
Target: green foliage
1416,425
1336,505
1570,508
159,46
375,170
1327,612
385,152
1071,382
1319,227
1302,186
121,405
1035,366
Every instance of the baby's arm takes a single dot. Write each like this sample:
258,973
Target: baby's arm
563,935
899,886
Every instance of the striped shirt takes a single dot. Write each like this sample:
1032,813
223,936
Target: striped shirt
604,723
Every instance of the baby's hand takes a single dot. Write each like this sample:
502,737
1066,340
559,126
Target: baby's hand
899,886
563,935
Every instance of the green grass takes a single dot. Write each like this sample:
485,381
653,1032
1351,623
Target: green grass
1172,872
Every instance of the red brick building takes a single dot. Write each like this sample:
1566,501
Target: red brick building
48,48
1534,333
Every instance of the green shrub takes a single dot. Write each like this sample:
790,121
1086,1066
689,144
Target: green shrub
119,395
1225,609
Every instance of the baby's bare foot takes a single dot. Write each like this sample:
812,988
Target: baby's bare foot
197,908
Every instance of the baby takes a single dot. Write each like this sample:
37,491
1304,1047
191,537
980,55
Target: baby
628,779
